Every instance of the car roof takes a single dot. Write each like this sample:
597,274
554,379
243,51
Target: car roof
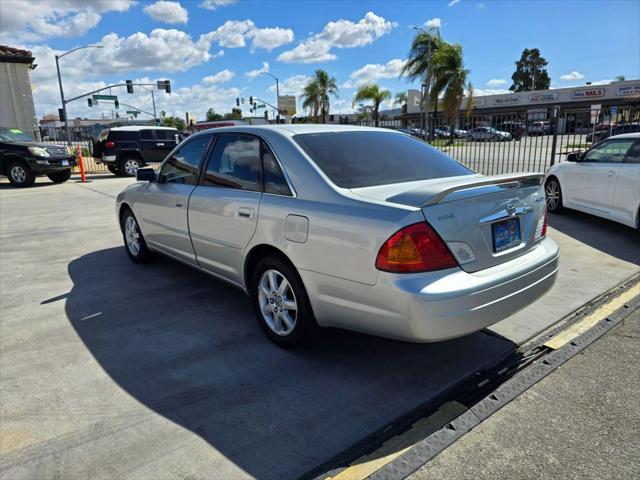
135,128
627,135
290,130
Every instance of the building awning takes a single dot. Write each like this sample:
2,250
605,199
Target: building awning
15,55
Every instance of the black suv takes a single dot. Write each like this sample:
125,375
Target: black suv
22,159
125,149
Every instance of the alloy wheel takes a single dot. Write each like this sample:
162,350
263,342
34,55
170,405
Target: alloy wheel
552,194
132,235
18,174
277,301
131,167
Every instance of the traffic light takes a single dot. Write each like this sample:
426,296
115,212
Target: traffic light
116,103
255,106
167,86
90,102
237,101
251,100
129,86
61,115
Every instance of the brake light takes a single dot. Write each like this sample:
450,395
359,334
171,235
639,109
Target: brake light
110,144
544,225
541,228
415,248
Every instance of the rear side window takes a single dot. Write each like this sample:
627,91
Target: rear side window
234,163
274,181
124,135
166,134
146,135
365,159
182,166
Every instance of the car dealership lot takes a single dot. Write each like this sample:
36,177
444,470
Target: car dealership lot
112,370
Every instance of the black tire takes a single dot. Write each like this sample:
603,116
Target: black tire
304,326
126,166
142,253
113,169
495,138
470,138
20,175
553,195
60,176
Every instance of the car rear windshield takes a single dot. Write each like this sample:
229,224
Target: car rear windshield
366,159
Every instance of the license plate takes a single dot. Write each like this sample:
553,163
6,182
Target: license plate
64,163
506,234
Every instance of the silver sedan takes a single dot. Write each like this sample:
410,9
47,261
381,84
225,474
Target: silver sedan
360,228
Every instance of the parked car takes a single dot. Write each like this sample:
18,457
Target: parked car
516,129
605,131
22,159
539,128
456,133
603,181
125,149
360,228
487,134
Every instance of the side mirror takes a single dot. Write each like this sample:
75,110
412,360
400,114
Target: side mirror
574,157
145,175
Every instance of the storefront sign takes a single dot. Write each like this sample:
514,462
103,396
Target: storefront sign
506,101
478,102
628,90
585,94
543,97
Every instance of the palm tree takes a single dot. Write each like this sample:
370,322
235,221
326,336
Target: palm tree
450,80
419,62
401,99
372,92
316,94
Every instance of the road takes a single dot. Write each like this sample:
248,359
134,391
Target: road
114,370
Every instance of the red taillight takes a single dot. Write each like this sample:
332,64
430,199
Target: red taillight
110,144
544,225
415,248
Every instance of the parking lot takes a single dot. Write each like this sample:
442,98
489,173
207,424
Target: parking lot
115,370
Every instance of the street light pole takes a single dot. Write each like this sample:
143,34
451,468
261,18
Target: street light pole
277,94
64,102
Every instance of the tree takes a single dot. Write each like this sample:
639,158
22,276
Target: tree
174,122
316,94
401,99
419,62
450,81
236,114
212,116
530,73
620,78
373,93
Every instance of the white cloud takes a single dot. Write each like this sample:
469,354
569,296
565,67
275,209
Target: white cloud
372,72
291,86
220,77
496,82
167,12
213,4
33,20
338,34
572,76
433,23
258,71
453,2
219,54
234,33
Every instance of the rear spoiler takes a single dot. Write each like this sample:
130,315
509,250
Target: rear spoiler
434,193
520,178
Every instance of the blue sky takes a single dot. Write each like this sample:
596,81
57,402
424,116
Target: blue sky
355,41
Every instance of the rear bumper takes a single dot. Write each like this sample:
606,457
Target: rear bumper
435,306
107,159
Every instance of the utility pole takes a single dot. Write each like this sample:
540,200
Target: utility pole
277,94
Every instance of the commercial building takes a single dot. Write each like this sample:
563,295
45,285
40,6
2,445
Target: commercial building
581,107
16,99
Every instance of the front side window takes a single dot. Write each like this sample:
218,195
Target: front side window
146,135
166,134
182,166
365,159
234,163
612,151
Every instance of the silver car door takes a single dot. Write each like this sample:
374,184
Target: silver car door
163,206
627,193
223,209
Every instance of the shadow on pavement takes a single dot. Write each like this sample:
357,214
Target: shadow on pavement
609,237
188,347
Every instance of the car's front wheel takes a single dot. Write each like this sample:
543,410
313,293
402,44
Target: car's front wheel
129,166
134,242
553,194
20,175
60,177
281,303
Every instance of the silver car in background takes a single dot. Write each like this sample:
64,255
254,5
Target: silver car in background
487,134
352,227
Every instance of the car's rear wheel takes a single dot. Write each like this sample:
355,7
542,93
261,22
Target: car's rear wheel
113,169
129,166
20,175
134,242
281,303
60,177
495,138
553,195
470,138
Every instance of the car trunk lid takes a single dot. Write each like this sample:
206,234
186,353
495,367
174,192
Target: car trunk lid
485,221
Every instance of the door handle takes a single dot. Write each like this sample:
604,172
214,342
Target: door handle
611,173
245,212
159,144
179,204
